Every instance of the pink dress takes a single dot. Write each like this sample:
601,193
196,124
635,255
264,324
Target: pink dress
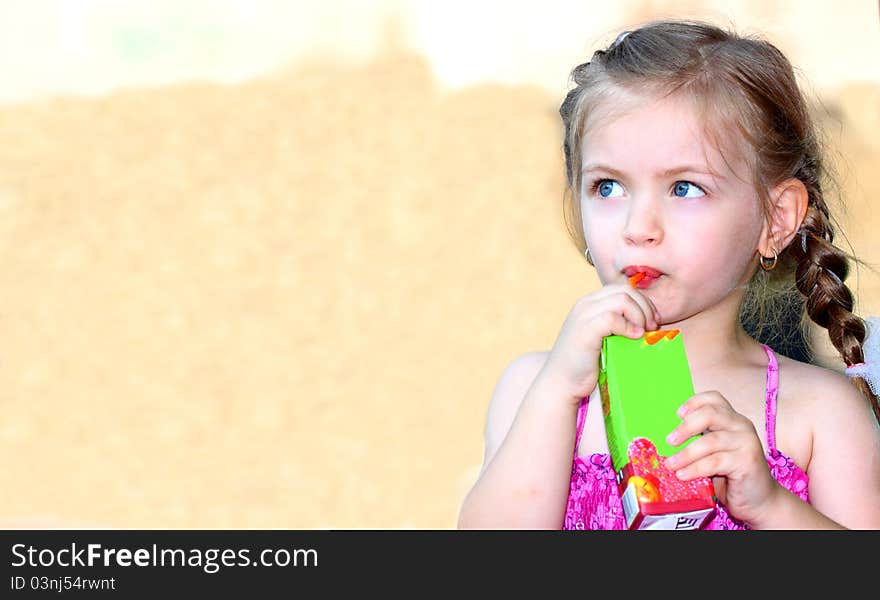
594,500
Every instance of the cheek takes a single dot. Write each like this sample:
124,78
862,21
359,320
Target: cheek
716,259
726,232
600,239
601,224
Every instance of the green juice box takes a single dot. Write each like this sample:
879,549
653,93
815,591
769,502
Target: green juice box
642,383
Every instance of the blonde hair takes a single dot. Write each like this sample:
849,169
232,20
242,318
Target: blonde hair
746,94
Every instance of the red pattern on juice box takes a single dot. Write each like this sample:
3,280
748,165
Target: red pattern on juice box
646,463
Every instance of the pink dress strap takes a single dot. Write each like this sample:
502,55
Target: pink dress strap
770,401
582,413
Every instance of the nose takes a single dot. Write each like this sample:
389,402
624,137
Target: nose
643,223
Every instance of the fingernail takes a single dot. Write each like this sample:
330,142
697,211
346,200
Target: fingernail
671,439
672,461
680,412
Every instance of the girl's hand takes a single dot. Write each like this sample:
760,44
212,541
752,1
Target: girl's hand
728,450
614,309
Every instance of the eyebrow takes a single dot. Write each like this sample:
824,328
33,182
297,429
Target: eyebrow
673,171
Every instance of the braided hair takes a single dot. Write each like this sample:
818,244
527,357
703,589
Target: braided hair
744,85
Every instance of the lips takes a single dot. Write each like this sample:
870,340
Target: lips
641,277
648,271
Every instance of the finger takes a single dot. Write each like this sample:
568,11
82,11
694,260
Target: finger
648,307
628,306
646,303
592,329
707,419
657,317
703,419
613,323
708,466
714,454
643,299
706,445
697,401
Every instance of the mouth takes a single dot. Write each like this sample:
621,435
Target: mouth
641,277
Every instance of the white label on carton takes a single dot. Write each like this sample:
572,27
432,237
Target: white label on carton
630,504
672,521
688,520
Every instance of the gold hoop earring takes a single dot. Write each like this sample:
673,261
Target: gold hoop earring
588,257
772,265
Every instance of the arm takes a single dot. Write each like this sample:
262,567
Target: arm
530,426
529,443
844,468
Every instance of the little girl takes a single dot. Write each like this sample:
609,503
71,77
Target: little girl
692,163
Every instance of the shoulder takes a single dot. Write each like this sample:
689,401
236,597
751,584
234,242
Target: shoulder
507,396
821,392
512,385
521,371
845,442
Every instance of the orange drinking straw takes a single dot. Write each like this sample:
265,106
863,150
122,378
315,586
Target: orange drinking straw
652,337
636,278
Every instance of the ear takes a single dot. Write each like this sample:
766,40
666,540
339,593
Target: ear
788,201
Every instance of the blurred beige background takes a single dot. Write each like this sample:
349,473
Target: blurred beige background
263,262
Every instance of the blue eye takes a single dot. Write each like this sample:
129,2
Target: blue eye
684,187
604,187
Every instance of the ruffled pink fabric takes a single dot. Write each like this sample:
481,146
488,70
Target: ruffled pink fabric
594,499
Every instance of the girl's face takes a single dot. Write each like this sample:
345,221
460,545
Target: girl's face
656,194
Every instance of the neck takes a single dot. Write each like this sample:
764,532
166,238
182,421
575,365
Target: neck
715,336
